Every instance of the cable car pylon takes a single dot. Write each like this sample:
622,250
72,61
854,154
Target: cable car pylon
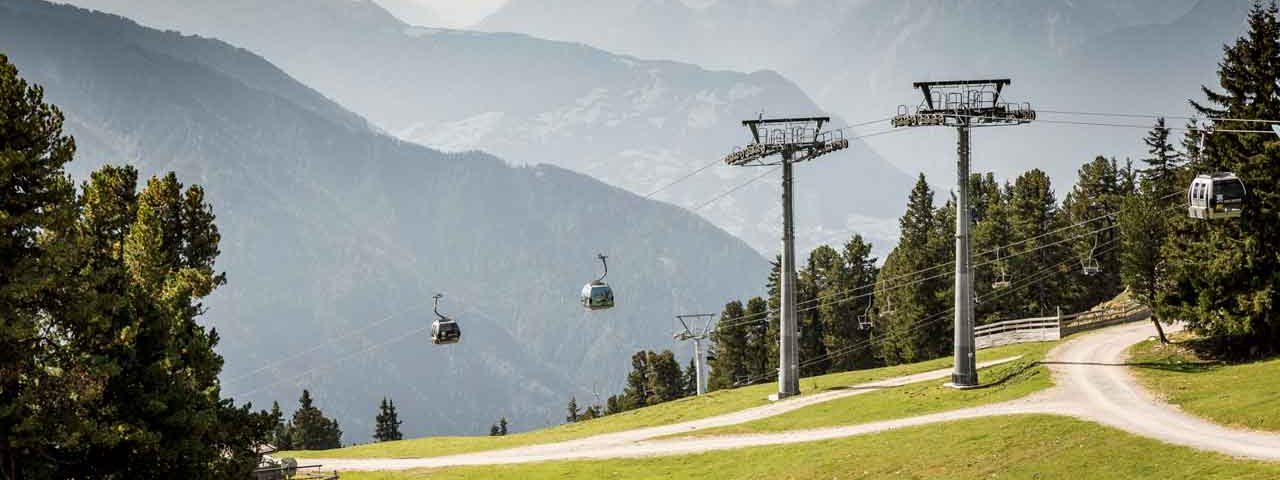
791,140
963,105
699,352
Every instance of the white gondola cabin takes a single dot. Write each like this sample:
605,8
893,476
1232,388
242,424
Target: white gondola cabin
1216,196
597,295
444,330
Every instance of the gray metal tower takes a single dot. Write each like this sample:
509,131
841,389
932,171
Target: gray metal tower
963,104
792,140
699,351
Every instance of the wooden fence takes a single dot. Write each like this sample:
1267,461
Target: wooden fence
1042,329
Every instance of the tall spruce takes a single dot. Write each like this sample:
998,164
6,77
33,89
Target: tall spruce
729,342
106,372
280,433
690,380
311,429
572,409
502,426
911,326
665,378
1096,198
845,300
1225,276
1040,258
759,339
1144,230
387,422
1161,162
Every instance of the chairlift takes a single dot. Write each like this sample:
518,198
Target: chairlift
1089,264
1216,196
1002,280
597,295
887,309
865,321
444,330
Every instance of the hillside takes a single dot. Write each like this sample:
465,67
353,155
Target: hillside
634,123
335,236
861,58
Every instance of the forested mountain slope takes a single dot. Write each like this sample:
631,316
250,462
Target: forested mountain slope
335,236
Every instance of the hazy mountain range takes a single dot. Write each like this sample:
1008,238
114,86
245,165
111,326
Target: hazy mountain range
859,58
634,123
335,236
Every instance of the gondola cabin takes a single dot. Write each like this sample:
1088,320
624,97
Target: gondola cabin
1216,196
444,332
597,295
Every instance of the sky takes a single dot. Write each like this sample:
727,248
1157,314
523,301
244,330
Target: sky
442,13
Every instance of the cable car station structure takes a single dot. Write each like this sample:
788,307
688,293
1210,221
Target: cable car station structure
963,104
784,142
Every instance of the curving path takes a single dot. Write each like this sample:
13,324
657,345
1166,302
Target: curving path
1091,382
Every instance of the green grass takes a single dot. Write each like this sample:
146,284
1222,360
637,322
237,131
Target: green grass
1002,382
1240,395
1015,447
685,409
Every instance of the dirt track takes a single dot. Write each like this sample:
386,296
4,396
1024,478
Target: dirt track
1091,382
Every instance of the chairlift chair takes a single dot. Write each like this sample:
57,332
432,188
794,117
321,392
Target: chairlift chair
1089,264
444,330
865,321
597,295
1002,280
1216,196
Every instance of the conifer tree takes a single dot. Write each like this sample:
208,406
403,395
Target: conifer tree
636,393
845,300
493,430
572,409
911,332
1098,192
665,378
280,433
1033,215
730,346
1143,232
502,426
1161,162
387,422
311,429
1211,288
690,379
759,342
613,405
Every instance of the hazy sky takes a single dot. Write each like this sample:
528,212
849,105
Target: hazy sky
442,13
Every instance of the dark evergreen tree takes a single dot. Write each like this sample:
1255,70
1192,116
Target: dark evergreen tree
665,378
613,405
729,342
689,381
280,434
909,306
573,410
1162,163
1034,218
98,307
311,429
636,393
991,233
1225,276
760,339
1143,231
816,275
387,422
1098,192
493,430
502,426
847,298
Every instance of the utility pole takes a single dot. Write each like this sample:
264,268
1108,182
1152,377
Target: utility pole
963,104
792,140
699,353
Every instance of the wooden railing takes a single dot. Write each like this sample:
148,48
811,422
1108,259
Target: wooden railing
1041,329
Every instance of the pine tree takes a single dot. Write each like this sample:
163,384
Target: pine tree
106,288
311,429
613,405
1162,164
1098,192
689,381
848,276
759,342
991,233
1212,287
729,342
1143,232
818,274
1033,215
280,433
387,422
636,393
912,332
502,426
572,409
493,430
665,378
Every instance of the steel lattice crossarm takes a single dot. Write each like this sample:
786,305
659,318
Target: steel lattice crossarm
799,138
954,103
